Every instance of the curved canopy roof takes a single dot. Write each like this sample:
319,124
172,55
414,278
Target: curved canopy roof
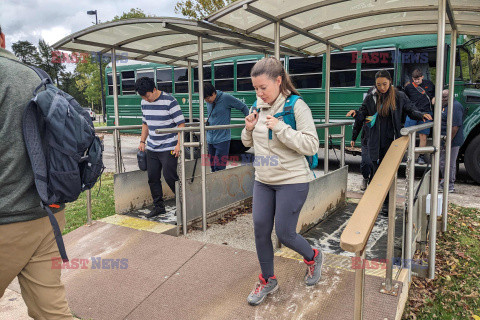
171,41
309,25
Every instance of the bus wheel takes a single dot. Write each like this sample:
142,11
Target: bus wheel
196,151
472,159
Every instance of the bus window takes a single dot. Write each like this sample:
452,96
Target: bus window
145,73
306,72
110,84
465,63
164,80
343,70
244,82
223,75
374,60
180,77
207,76
128,82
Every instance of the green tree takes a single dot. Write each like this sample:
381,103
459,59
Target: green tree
88,80
132,14
26,52
200,9
68,84
47,61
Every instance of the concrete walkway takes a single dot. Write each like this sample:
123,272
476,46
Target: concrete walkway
137,274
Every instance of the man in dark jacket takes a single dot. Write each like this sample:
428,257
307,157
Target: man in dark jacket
422,93
219,106
27,243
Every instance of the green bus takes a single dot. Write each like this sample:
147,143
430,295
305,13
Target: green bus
352,74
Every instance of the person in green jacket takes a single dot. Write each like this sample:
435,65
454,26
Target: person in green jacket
28,249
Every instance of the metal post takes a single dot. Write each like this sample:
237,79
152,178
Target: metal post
116,133
411,180
327,107
277,40
202,132
342,146
190,112
448,143
359,286
442,8
89,207
392,207
183,183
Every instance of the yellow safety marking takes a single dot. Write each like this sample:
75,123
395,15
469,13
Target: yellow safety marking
137,223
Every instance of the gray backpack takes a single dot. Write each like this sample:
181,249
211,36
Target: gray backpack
65,153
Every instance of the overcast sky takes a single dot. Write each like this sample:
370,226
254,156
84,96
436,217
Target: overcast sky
52,20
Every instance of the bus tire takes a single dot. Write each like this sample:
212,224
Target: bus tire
237,147
196,151
472,159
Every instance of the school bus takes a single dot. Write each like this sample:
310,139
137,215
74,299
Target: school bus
352,74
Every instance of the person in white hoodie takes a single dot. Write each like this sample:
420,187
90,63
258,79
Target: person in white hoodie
282,174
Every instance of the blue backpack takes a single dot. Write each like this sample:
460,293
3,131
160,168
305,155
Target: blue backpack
65,153
289,118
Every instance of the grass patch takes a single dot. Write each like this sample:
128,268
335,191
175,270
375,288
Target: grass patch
99,124
103,204
454,293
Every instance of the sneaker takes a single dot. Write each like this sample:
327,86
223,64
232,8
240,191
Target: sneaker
364,184
421,160
262,289
155,212
314,268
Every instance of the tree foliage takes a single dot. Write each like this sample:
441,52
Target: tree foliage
132,14
47,63
26,52
200,9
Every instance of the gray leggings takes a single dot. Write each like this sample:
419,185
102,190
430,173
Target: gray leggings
282,202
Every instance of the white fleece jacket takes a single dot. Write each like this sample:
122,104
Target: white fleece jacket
282,159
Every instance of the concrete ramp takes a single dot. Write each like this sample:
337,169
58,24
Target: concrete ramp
135,274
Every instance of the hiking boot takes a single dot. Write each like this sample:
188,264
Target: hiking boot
155,212
262,289
314,268
364,184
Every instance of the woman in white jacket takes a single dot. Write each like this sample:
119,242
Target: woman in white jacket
282,173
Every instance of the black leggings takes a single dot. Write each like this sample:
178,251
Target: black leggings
282,202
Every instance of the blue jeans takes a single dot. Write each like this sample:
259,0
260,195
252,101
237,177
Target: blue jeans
218,155
410,123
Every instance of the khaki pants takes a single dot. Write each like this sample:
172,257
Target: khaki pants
26,252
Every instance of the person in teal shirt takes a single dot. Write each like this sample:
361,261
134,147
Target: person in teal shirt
219,106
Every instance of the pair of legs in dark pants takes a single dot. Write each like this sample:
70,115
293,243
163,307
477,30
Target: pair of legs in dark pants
156,162
218,154
282,204
366,166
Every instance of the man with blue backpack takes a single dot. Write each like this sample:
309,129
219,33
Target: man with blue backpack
28,244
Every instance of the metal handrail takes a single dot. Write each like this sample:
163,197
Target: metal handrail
358,230
418,127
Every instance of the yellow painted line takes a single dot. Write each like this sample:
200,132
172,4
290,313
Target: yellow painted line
138,224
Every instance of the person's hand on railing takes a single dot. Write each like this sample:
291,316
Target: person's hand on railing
427,116
251,120
351,113
176,151
352,143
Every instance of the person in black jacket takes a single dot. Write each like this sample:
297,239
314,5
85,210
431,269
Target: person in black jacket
383,111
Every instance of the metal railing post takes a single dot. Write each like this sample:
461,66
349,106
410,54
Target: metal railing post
202,132
342,146
116,134
448,143
392,208
442,8
190,111
411,181
183,182
89,207
327,108
359,286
